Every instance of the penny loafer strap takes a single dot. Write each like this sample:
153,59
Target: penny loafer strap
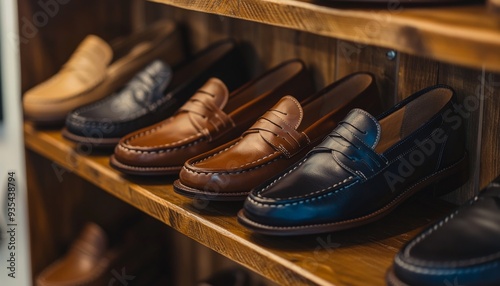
206,117
279,134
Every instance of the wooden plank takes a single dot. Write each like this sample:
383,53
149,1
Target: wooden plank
352,57
356,257
461,34
264,46
415,73
490,151
468,85
320,55
45,41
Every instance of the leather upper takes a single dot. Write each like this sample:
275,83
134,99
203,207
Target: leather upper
86,261
97,69
85,69
364,168
463,247
155,94
280,137
113,115
210,118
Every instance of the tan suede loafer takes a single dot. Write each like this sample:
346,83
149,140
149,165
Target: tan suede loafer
97,69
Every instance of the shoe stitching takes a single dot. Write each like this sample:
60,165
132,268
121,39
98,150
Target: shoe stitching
306,200
212,194
150,131
129,118
150,168
127,149
231,173
213,155
241,166
358,218
279,178
300,112
444,271
376,124
426,234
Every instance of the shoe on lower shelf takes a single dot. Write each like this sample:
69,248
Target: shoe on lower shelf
95,255
461,249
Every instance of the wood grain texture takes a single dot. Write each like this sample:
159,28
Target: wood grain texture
490,150
473,33
355,257
467,83
60,203
352,57
414,74
47,39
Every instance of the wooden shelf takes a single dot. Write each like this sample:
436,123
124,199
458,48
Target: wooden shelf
463,34
355,257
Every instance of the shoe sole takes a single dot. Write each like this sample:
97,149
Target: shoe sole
392,279
95,142
143,171
47,122
208,196
446,180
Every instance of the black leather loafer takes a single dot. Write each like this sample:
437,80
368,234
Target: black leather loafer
365,168
461,249
153,95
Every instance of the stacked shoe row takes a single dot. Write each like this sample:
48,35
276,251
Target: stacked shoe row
302,162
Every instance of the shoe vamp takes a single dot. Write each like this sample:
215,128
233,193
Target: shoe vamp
308,175
473,234
174,132
248,152
61,86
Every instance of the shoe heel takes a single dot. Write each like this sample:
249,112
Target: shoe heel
452,180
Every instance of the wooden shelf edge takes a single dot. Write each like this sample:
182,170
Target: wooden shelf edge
356,257
464,35
188,223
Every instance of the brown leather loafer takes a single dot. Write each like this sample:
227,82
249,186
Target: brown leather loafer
91,259
209,119
97,69
278,139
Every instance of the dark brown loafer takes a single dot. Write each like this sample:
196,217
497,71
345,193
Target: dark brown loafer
92,258
209,119
278,139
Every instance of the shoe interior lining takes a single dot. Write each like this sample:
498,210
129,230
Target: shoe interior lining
263,86
199,63
127,46
334,99
408,119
